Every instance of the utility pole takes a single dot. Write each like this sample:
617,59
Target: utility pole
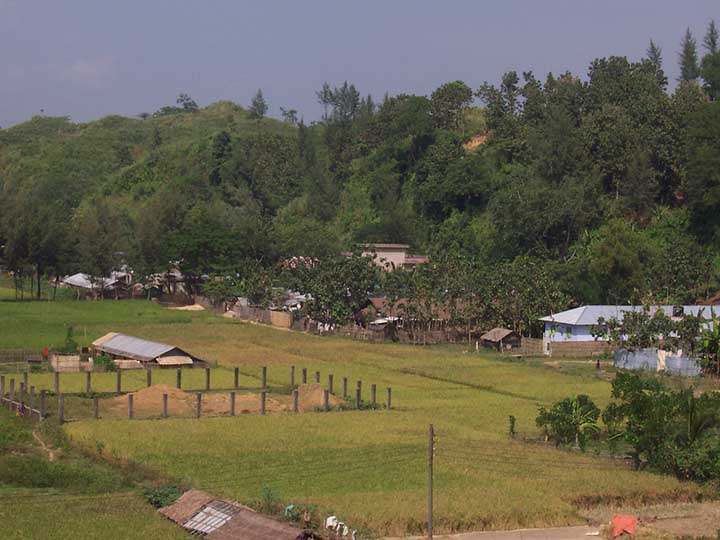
430,481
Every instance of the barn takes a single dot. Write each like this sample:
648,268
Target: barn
132,352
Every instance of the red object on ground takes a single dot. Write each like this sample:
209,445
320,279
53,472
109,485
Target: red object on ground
46,352
624,524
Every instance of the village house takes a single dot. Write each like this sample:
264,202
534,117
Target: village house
392,256
570,333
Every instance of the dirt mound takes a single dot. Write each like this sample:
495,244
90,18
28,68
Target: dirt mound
310,397
148,402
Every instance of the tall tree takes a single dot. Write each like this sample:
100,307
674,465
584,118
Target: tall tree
710,41
689,69
448,104
654,54
710,65
258,106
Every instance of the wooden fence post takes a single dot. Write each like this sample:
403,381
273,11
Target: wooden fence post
96,407
179,377
236,384
326,401
130,406
330,383
2,386
317,377
207,378
389,398
373,394
25,379
164,405
57,382
88,382
32,399
263,397
118,382
232,403
198,410
42,404
358,396
61,408
292,376
296,406
345,387
304,375
21,398
12,391
148,377
264,377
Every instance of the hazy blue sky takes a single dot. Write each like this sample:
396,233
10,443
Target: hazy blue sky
89,58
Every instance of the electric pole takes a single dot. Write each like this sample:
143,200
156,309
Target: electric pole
430,481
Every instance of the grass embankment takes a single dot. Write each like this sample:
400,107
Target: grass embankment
69,497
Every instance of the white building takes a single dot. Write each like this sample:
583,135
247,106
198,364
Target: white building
575,325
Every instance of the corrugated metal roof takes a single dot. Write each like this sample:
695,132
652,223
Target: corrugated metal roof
589,315
136,348
213,516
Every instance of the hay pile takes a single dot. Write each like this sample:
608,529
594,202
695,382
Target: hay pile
148,402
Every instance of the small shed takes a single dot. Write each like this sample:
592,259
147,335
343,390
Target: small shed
500,339
217,519
123,348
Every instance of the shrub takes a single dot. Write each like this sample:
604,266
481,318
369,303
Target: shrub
570,420
104,362
162,496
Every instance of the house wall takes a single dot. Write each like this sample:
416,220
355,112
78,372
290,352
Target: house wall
577,333
384,256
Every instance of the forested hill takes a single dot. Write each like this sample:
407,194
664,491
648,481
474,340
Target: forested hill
609,182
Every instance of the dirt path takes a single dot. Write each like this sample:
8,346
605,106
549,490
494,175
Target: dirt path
49,451
554,533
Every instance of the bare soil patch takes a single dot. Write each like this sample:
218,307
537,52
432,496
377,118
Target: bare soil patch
148,402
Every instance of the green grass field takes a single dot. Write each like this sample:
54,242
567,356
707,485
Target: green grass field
368,467
69,497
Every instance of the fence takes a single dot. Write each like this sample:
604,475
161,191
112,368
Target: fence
657,360
18,360
165,401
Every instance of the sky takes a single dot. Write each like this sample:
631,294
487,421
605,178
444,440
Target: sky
89,58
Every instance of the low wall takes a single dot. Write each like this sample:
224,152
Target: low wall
649,360
68,363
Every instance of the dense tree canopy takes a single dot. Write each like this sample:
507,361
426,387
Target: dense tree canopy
600,187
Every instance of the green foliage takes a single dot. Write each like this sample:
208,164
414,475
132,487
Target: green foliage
258,107
70,346
104,362
570,421
339,287
162,496
610,185
673,431
688,59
